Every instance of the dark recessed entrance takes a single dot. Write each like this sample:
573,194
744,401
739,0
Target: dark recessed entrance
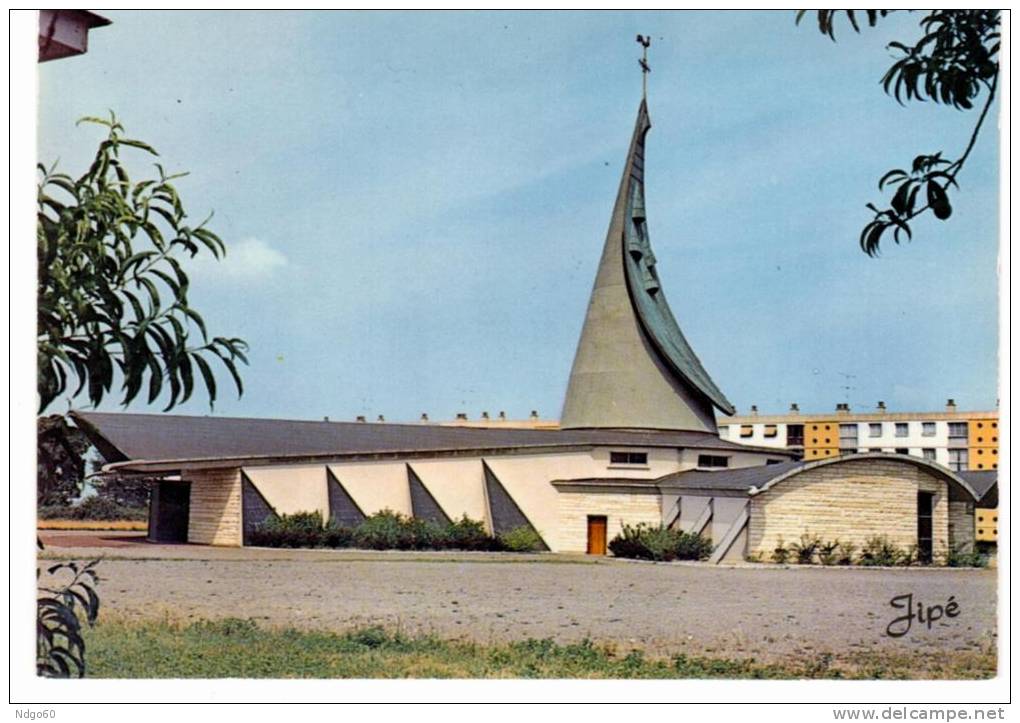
169,505
925,505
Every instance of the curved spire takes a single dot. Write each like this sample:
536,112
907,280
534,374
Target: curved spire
634,368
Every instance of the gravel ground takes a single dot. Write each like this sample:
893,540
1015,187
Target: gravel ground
767,612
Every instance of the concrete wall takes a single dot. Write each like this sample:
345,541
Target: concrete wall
290,489
619,509
850,501
214,515
376,486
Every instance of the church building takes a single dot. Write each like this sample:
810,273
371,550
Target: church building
637,443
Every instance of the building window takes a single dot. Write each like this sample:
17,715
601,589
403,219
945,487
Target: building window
958,460
628,458
848,434
928,453
875,429
901,429
712,461
902,450
795,435
771,430
927,429
958,430
746,430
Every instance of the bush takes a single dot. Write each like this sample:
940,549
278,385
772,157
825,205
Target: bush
93,508
956,556
336,535
878,551
781,553
827,552
468,534
845,556
521,539
648,542
805,549
303,529
384,530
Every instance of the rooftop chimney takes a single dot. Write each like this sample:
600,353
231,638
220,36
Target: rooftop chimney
950,405
381,418
881,406
754,410
461,417
843,408
502,416
360,418
534,414
794,408
485,415
325,419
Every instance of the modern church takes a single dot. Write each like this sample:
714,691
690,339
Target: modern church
637,443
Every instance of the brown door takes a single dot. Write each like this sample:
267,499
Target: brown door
596,535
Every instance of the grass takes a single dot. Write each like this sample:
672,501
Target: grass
235,648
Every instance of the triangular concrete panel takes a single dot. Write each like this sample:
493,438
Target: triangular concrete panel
423,504
254,508
343,510
505,514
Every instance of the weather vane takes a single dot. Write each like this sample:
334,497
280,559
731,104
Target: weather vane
645,70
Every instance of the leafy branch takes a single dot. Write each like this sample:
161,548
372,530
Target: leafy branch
954,63
60,647
113,296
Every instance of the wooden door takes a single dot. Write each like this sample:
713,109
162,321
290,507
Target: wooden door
596,535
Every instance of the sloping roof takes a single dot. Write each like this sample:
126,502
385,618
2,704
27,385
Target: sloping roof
739,479
633,368
985,484
754,480
148,438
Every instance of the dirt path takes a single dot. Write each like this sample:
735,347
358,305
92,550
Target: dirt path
758,611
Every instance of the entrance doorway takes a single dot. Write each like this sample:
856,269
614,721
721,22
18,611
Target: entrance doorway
169,505
925,505
597,534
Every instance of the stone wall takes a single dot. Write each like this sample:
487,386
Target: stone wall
214,517
619,509
850,501
961,525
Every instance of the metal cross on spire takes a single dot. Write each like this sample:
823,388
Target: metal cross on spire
645,70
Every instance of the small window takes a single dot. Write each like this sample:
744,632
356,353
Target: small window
901,429
848,432
902,450
958,430
628,458
928,453
795,435
771,430
712,461
927,429
958,460
875,429
746,430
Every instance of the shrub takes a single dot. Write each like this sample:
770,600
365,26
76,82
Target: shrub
521,539
879,551
956,556
805,549
648,542
93,508
845,556
781,553
336,535
302,529
827,552
385,530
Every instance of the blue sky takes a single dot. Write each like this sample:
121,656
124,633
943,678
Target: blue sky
415,204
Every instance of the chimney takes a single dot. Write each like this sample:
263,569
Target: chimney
424,416
881,406
381,418
534,414
794,408
502,416
485,416
754,410
325,419
461,417
360,418
950,405
843,408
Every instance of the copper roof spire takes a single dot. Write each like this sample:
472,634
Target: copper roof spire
645,69
634,368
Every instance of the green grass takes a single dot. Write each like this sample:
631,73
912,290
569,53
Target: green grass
235,648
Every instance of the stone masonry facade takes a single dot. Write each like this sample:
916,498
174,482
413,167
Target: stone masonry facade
214,517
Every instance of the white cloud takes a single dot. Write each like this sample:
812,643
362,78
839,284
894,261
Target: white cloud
249,259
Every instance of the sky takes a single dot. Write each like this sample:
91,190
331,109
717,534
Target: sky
415,203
